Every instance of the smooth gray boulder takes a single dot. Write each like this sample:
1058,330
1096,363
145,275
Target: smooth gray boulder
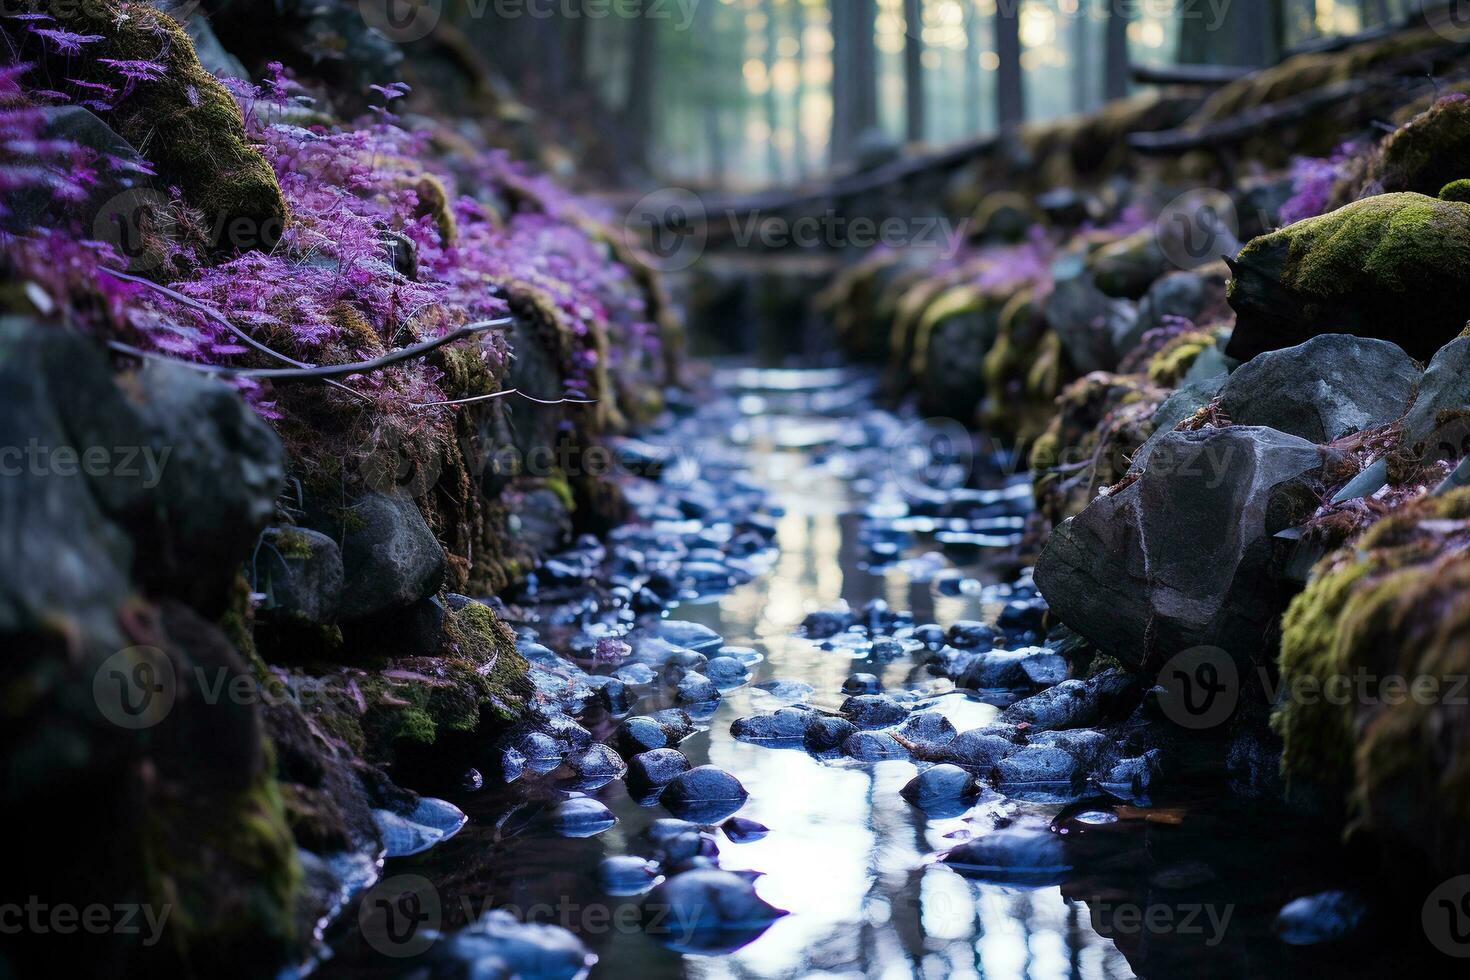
1324,389
390,556
1438,424
1183,556
299,571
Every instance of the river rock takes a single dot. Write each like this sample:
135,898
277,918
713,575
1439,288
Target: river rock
786,724
1332,385
626,874
929,730
873,747
874,710
656,767
500,945
824,733
706,911
978,750
1325,917
1072,703
1182,556
429,822
597,762
692,636
696,688
743,831
1022,856
581,816
390,556
1438,424
941,787
705,793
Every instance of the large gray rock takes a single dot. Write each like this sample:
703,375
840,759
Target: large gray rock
1189,398
1183,556
1438,424
300,573
391,558
1094,328
1324,389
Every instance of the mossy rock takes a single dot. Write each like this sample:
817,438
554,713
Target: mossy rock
1380,616
185,123
1127,267
1174,360
1391,266
954,335
1427,152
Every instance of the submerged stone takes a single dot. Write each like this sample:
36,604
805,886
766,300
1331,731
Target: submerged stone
705,794
706,911
657,767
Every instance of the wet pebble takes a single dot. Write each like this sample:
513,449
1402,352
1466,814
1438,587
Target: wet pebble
697,689
656,766
873,746
930,634
743,831
625,874
581,816
1325,917
825,623
928,729
1012,855
787,690
979,749
941,787
636,675
640,734
597,762
862,684
499,944
971,635
784,724
824,733
727,672
706,911
874,710
616,697
428,823
705,793
693,636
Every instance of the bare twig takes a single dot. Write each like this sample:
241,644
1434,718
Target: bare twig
328,371
501,394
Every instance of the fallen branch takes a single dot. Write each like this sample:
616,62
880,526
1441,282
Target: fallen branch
1211,75
501,394
326,371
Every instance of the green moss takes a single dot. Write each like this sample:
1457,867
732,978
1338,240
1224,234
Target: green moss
1427,152
1174,360
186,123
1391,266
225,866
1456,190
434,201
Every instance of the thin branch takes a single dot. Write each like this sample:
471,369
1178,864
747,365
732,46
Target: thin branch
501,394
328,371
204,310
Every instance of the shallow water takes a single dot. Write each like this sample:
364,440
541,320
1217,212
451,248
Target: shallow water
1187,887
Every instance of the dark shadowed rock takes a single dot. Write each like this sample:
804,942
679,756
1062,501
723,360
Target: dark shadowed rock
625,874
696,688
656,766
783,725
1323,389
390,556
1183,556
862,684
1015,855
874,710
979,749
1325,917
300,573
873,746
597,762
941,788
706,911
929,730
743,831
500,945
581,816
705,794
1438,424
1073,703
824,733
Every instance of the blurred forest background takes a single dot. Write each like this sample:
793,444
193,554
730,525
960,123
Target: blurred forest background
751,93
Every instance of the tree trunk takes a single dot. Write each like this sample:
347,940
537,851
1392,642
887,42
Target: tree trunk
1115,53
1250,33
974,112
1010,101
913,69
642,74
854,75
1083,93
774,162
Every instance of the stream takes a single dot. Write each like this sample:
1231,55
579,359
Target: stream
857,500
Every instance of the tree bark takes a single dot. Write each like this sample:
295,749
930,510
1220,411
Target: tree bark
642,75
974,112
1115,52
854,75
913,69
